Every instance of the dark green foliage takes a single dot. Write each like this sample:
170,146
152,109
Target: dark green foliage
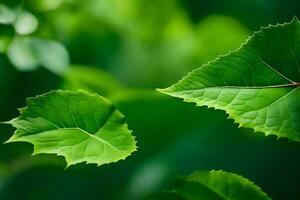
123,51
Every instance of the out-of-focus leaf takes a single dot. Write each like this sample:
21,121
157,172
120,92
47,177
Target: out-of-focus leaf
26,23
21,54
77,125
28,53
52,55
7,15
257,85
91,79
45,5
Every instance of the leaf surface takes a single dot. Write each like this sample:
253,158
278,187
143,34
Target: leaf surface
216,185
77,125
257,84
213,185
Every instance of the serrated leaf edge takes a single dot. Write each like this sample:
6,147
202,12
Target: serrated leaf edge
68,164
169,91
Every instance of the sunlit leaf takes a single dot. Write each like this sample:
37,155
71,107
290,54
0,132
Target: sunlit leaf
77,125
257,85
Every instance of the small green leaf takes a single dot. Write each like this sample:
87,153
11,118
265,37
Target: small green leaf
28,53
216,185
257,85
77,125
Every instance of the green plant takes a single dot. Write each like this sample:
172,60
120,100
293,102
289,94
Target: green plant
257,85
77,125
252,84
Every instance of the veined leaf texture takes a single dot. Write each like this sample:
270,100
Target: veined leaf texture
80,126
257,85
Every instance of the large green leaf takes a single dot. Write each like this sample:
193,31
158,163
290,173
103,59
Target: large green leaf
77,125
216,185
257,85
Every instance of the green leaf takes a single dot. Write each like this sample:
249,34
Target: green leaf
77,125
257,85
217,185
28,53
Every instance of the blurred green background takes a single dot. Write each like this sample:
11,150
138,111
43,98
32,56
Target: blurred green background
123,50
